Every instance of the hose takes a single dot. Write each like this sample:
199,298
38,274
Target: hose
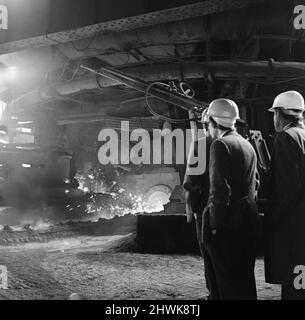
162,117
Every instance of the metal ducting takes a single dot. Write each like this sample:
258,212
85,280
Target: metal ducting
217,69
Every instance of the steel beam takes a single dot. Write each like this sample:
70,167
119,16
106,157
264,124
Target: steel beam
159,17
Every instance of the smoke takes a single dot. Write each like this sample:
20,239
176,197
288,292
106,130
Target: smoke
97,197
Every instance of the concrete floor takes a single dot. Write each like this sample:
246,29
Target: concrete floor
102,268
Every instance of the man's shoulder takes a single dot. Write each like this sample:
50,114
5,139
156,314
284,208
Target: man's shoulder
236,144
218,143
290,139
295,133
235,140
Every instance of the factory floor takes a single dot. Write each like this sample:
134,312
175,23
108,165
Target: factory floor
105,268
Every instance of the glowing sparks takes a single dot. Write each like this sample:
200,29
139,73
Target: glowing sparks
108,200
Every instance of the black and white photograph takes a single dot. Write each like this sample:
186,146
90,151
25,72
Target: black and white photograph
152,153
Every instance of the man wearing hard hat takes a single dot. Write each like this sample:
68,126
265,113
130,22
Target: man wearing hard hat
231,221
196,196
285,219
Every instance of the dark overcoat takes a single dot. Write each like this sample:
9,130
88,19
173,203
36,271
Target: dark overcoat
233,183
285,219
232,212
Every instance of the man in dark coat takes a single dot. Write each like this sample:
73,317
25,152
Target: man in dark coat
196,188
231,215
285,219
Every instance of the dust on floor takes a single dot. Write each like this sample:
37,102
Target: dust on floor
105,268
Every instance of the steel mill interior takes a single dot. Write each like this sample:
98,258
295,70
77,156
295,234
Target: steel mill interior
72,72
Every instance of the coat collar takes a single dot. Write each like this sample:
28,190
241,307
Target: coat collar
291,125
228,133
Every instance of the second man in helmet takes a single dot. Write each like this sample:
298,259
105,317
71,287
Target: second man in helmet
231,220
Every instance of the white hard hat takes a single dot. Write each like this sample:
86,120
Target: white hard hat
224,112
291,103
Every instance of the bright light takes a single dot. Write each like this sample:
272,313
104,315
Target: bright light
24,122
157,201
26,165
10,74
24,130
7,76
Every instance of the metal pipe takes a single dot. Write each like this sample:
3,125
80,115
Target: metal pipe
161,94
235,70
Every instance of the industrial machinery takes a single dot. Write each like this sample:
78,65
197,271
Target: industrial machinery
140,63
182,96
170,223
44,178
